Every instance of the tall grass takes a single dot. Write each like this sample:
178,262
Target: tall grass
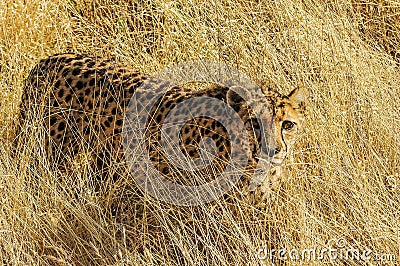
340,182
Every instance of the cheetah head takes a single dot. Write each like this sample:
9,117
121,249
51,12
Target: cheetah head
282,119
289,112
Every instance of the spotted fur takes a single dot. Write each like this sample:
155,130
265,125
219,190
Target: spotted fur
81,101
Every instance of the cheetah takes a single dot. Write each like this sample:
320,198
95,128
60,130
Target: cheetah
81,101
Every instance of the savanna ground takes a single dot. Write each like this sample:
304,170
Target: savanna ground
341,179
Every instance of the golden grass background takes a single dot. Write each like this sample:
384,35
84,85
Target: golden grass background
341,179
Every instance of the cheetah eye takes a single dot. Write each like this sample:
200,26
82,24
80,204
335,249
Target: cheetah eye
287,125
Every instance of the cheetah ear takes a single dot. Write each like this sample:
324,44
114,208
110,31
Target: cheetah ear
299,95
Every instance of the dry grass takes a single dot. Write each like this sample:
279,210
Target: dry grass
340,182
